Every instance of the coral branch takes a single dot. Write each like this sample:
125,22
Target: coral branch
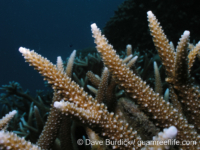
163,113
12,141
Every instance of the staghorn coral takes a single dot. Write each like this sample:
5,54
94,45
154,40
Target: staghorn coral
104,121
10,140
128,111
162,112
5,120
92,113
177,70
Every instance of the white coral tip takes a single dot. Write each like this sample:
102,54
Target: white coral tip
186,33
73,54
171,132
150,14
59,59
94,26
155,64
23,50
13,112
58,104
128,46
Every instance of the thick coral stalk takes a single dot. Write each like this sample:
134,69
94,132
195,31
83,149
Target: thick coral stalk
161,42
51,128
181,75
102,88
101,120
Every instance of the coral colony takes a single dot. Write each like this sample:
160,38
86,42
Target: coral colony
128,117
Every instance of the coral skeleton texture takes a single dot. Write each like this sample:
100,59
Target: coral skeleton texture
179,118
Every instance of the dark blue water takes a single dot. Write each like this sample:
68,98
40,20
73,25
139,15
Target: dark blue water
50,27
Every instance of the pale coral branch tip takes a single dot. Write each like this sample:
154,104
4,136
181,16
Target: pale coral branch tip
23,50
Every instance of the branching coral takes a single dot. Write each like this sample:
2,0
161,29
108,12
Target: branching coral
71,100
5,120
163,113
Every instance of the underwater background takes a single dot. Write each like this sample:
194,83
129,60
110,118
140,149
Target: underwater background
50,27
